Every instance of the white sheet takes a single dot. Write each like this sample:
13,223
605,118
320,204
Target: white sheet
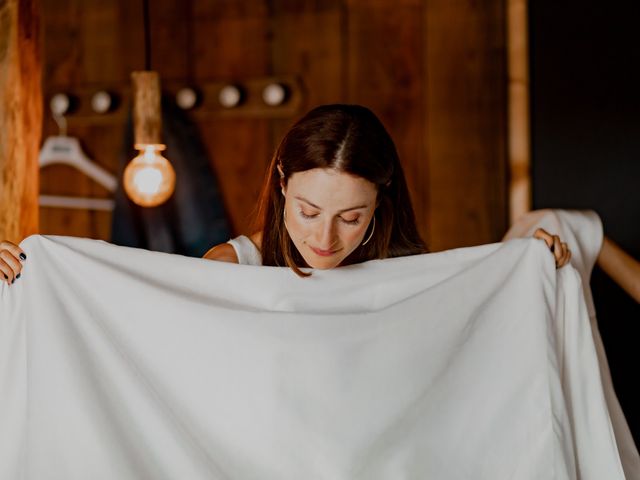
475,363
582,230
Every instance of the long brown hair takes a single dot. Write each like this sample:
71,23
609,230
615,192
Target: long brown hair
351,139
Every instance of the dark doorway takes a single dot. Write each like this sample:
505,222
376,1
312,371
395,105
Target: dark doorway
585,108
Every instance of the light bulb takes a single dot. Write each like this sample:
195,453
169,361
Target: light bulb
274,94
149,179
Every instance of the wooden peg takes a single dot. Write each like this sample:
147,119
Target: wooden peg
147,116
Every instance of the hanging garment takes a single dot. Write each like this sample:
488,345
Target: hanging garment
193,219
471,363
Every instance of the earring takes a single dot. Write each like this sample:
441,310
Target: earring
372,230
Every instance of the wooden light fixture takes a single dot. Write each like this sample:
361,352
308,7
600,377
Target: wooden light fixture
149,179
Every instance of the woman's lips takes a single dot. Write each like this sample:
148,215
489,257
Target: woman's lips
323,253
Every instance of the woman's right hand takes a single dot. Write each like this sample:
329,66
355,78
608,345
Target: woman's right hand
11,258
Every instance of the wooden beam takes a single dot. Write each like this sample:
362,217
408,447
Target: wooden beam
20,118
519,136
466,132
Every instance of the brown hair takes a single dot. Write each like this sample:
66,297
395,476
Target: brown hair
348,138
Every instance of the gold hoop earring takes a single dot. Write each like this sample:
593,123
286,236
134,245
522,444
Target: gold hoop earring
373,229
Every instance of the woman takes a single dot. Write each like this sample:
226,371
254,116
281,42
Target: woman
335,195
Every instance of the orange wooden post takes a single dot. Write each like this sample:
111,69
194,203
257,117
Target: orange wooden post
519,136
20,118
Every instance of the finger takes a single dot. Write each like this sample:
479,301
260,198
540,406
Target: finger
557,248
7,274
542,234
15,250
12,264
565,257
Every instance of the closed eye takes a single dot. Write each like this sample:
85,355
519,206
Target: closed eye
355,221
304,215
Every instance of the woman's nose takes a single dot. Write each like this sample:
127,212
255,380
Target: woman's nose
327,235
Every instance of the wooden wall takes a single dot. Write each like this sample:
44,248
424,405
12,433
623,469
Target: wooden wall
433,70
20,117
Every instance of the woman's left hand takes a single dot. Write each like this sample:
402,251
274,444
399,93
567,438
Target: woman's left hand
559,248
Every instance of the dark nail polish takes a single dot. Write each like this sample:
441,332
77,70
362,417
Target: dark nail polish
17,276
13,281
23,256
5,277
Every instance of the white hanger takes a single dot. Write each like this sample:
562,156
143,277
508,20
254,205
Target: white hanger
65,150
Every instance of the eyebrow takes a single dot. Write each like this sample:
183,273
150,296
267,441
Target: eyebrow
340,211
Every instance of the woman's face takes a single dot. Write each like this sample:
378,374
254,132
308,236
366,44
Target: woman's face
327,214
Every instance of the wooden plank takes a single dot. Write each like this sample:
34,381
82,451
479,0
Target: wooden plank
386,74
308,39
519,130
171,38
61,47
20,117
377,4
231,42
82,44
99,42
466,128
240,152
211,10
83,50
284,7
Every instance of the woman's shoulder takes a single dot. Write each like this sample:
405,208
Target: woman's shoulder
223,252
229,251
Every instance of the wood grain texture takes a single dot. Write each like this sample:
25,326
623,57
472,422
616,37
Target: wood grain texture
147,117
84,47
309,39
465,111
232,42
20,118
386,73
433,70
520,195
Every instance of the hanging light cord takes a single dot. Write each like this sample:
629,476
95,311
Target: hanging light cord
147,35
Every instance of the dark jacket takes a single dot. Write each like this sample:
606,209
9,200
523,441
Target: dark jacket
193,219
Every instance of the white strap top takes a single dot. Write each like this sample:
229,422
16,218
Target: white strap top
246,250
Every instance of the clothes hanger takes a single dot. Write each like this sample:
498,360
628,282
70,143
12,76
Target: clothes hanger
64,150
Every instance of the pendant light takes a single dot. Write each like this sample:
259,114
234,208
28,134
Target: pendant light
149,179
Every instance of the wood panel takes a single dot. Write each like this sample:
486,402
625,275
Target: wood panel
465,110
20,117
231,42
308,39
433,70
386,73
79,52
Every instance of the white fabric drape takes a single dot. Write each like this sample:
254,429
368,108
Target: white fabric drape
582,230
475,363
